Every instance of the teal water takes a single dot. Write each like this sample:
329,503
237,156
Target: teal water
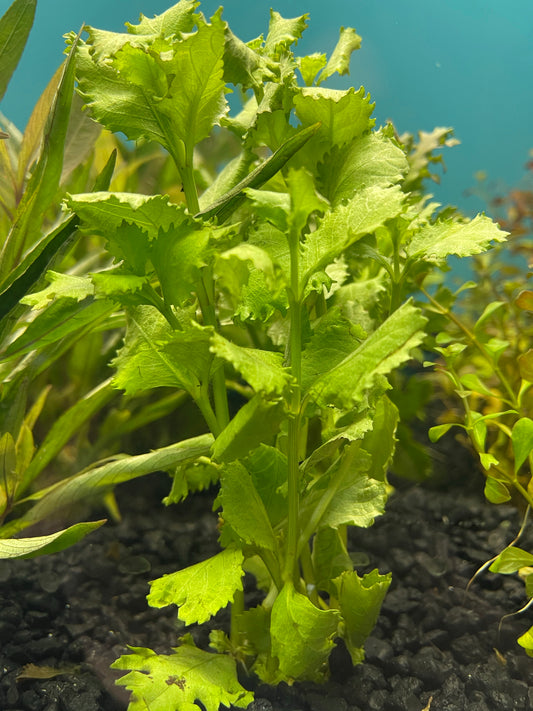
461,63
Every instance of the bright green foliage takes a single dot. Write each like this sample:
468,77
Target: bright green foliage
302,636
359,602
201,590
176,681
484,346
275,296
511,560
286,281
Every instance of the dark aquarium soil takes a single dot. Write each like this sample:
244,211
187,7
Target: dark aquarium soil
435,647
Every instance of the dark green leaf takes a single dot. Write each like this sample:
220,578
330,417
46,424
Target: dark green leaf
15,26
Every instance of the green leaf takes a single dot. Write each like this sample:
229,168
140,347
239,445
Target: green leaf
243,508
179,680
282,33
422,154
333,339
496,491
268,468
44,181
228,203
105,212
356,503
65,427
189,478
44,545
471,381
339,61
134,90
363,214
330,558
15,26
522,439
179,18
388,347
310,65
101,479
487,460
487,313
372,160
526,641
60,286
19,282
343,115
511,560
263,370
360,601
8,470
80,140
177,256
302,636
380,442
200,590
443,238
155,356
64,317
243,65
257,422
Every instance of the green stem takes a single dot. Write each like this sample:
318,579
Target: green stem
205,293
209,416
163,308
271,562
182,156
295,345
237,608
396,287
309,574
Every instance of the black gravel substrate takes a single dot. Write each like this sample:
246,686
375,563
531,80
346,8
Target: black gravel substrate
435,648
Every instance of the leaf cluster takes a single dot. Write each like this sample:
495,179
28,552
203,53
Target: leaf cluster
271,294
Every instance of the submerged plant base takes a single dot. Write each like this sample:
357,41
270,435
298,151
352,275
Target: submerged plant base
75,612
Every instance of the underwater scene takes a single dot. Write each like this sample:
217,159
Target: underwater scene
266,356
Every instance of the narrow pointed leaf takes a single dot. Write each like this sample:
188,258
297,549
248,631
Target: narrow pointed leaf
44,181
45,545
100,479
65,427
228,203
257,422
15,26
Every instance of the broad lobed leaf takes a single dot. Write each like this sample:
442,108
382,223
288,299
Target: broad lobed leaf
200,590
179,680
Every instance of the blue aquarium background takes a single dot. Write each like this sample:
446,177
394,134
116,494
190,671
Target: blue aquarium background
467,64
